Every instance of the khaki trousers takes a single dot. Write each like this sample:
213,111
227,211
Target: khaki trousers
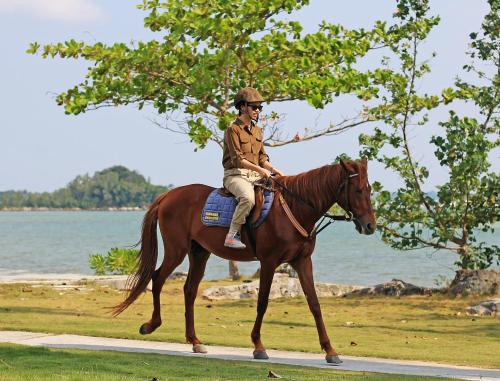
239,182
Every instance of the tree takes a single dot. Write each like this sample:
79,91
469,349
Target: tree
211,48
468,200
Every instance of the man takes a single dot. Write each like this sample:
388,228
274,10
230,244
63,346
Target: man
245,160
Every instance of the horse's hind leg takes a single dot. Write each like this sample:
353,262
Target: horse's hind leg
198,257
173,257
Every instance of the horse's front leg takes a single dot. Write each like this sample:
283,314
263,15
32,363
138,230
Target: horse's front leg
303,266
266,280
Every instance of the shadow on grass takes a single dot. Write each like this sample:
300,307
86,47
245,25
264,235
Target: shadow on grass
43,361
41,310
286,323
49,311
19,362
490,331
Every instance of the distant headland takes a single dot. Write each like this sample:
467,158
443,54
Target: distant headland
113,189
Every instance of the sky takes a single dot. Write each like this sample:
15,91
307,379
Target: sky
42,149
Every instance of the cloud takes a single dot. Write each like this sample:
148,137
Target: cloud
60,10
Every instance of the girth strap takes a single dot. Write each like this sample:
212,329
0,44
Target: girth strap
296,224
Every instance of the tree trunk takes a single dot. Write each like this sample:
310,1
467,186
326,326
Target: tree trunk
234,272
465,260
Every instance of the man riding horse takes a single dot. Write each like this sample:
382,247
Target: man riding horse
245,160
287,235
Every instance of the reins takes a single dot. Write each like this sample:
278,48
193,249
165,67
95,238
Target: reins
322,224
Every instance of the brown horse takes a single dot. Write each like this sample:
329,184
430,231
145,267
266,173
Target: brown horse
309,195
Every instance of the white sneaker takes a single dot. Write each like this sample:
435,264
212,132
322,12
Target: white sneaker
233,240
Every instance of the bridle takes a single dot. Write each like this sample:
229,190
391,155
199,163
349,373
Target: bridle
323,223
345,184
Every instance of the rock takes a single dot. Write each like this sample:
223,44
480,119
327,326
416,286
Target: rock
119,282
178,275
395,287
333,289
487,308
283,286
116,282
476,282
284,268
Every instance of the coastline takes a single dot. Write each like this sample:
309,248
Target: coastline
28,277
66,281
108,209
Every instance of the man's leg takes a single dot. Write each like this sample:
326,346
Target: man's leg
243,190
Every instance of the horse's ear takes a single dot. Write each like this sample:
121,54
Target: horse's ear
364,161
344,165
347,165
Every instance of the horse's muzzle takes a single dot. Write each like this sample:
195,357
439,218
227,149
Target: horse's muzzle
366,227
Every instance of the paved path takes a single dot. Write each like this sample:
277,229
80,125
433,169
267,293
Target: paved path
245,354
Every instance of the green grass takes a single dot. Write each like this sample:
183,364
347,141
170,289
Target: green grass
427,328
19,363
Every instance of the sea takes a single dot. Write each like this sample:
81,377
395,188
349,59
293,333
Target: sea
59,242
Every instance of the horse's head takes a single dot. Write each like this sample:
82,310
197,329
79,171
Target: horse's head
355,195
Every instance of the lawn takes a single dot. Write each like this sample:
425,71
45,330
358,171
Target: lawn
19,363
427,328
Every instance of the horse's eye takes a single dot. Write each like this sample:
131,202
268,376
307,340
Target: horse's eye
358,190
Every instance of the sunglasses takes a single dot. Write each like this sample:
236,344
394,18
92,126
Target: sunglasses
256,107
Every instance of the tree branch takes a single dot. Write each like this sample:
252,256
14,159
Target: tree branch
405,123
343,126
419,239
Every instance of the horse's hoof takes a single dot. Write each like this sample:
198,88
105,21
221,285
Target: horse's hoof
143,330
260,355
199,348
333,359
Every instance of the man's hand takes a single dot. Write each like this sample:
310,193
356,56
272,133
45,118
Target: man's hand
276,171
265,172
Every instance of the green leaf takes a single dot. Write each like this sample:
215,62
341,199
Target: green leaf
33,48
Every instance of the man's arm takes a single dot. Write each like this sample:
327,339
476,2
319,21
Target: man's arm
264,163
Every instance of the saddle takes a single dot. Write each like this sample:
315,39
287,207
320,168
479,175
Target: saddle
220,205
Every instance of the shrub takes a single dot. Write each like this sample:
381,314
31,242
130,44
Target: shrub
117,262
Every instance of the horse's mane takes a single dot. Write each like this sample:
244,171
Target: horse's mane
317,186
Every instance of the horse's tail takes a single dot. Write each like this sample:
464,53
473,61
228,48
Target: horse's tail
148,254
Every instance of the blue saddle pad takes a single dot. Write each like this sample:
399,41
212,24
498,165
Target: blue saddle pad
219,210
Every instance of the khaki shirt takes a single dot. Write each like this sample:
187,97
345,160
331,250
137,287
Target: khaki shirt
243,142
